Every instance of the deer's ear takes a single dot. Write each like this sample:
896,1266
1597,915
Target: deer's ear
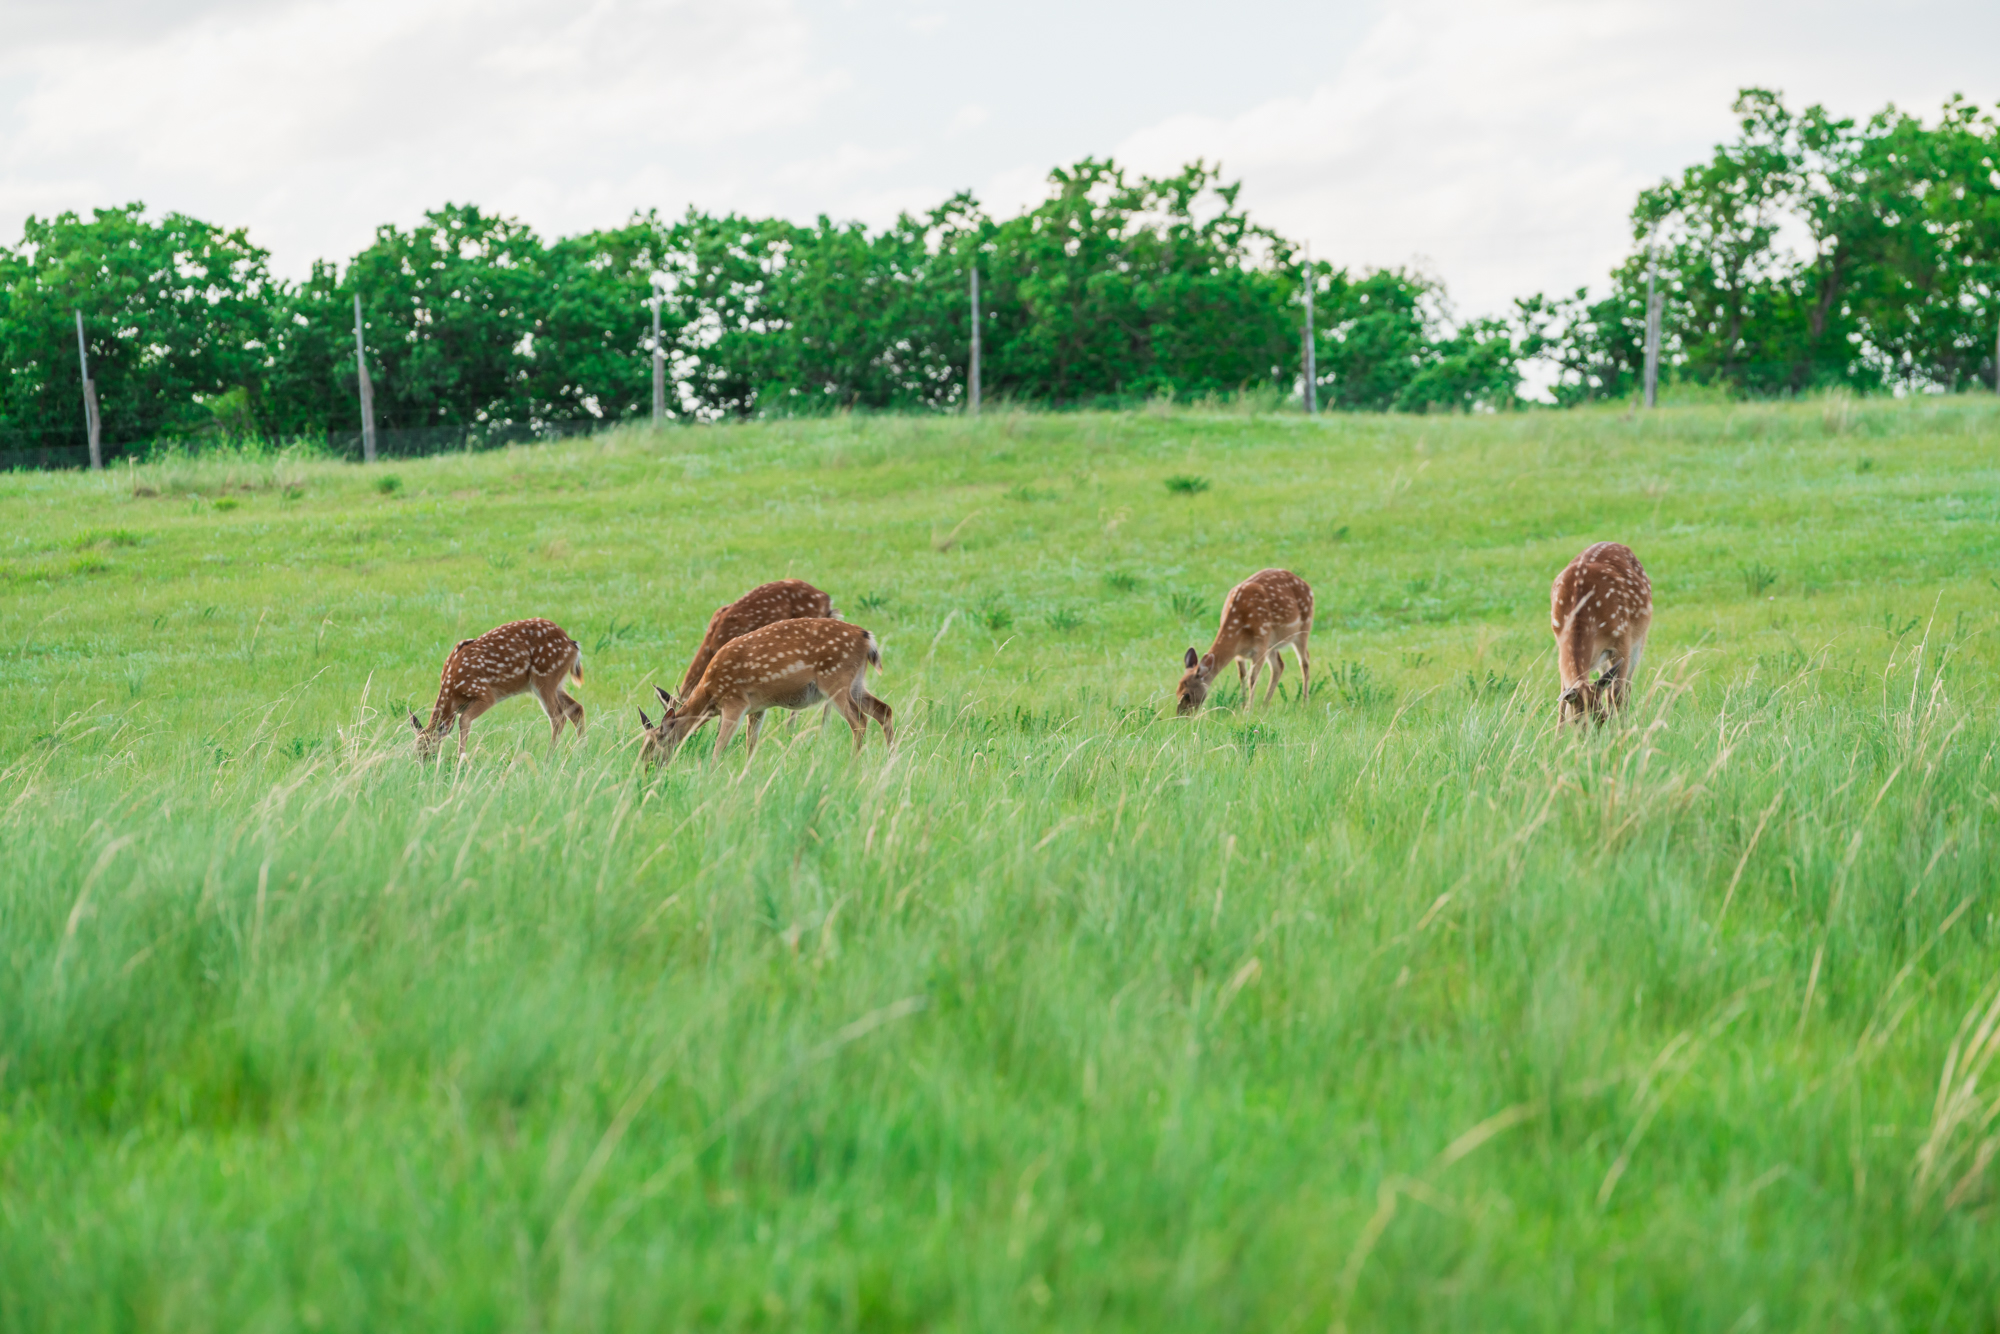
644,721
666,700
414,723
1191,659
1574,695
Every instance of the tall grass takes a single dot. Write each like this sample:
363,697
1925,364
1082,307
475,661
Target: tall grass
1392,1008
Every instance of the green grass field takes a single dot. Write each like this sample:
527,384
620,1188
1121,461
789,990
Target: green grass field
1395,1008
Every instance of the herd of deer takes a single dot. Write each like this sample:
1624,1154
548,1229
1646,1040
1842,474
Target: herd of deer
783,646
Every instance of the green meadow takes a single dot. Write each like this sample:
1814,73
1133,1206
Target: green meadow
1394,1007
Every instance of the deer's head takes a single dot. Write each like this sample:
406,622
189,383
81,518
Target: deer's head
663,738
1585,699
427,741
1193,689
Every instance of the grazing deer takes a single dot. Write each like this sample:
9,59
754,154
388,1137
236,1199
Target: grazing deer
766,604
1600,609
512,660
1270,609
792,664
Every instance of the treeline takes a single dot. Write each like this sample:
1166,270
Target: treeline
1114,289
1809,252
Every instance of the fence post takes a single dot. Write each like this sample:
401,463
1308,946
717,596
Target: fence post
1653,303
659,367
91,423
367,389
1312,365
972,385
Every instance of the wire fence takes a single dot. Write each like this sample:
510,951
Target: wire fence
28,451
40,458
62,449
424,441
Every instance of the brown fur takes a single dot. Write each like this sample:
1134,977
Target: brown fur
766,604
791,664
512,660
1600,608
1270,609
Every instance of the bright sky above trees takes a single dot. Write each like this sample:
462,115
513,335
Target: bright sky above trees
1500,143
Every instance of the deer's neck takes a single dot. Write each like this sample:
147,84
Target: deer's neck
699,702
1220,654
1573,646
442,712
696,669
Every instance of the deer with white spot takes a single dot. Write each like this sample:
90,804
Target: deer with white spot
1600,608
793,664
1263,614
516,658
766,604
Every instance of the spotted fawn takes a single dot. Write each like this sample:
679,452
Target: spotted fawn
1600,609
793,664
512,660
1264,613
766,604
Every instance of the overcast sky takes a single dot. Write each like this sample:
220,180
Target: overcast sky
1498,143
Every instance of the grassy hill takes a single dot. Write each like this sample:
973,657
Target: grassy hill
1395,1008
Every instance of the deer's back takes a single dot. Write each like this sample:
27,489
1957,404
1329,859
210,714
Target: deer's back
506,656
1605,590
765,658
1267,600
767,604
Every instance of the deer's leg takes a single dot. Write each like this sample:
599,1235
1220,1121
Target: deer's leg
572,711
1277,658
1250,686
550,695
726,729
1626,669
750,735
1305,666
467,712
843,699
883,715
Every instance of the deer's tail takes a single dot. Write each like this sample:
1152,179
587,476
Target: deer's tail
874,649
576,666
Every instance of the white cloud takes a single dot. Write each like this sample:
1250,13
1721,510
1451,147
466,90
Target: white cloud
1501,144
1502,139
319,120
968,117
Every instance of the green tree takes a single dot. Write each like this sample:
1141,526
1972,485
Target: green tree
877,321
1375,335
309,381
1385,341
1115,288
1929,297
1808,251
1595,348
591,355
450,309
176,315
